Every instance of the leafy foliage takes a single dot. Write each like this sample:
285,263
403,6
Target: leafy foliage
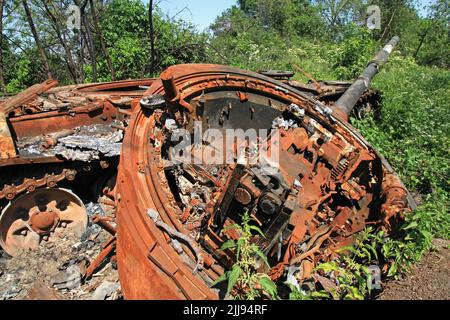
352,54
244,281
125,28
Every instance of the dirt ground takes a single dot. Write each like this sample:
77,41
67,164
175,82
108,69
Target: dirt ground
428,280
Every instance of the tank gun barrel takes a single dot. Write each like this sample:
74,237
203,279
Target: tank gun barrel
349,99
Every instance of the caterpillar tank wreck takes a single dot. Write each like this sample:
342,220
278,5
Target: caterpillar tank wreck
178,159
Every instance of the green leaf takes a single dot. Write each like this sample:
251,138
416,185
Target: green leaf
413,224
269,286
327,267
392,270
354,294
228,244
374,251
223,277
320,294
258,230
261,254
239,247
233,277
427,235
368,255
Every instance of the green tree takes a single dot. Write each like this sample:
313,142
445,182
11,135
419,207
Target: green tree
337,14
288,17
125,27
434,43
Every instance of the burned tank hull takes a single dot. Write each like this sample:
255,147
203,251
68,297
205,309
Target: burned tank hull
57,145
329,183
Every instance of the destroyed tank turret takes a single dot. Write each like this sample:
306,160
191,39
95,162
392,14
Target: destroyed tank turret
201,145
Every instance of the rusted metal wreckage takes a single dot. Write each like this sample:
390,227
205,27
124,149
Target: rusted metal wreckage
60,145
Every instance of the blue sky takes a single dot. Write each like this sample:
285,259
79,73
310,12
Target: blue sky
203,12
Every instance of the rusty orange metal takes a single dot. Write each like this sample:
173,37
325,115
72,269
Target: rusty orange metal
327,174
32,125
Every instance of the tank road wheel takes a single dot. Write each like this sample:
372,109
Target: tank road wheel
41,215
